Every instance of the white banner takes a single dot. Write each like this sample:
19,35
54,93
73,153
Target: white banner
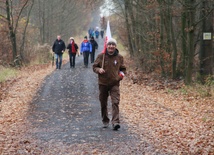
108,36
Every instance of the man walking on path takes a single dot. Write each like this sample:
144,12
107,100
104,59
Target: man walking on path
86,48
97,33
58,48
94,47
110,69
102,32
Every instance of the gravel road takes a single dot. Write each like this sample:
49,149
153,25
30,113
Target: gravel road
66,111
65,116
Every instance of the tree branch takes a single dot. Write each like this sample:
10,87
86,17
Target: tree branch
17,21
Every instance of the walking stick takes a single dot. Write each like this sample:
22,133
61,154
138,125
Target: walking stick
52,59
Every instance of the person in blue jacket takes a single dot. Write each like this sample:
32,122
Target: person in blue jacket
90,32
97,33
86,49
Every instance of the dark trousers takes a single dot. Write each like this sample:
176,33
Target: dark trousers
92,54
114,93
72,57
85,58
101,33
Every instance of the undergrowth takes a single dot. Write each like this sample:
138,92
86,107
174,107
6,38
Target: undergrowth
7,73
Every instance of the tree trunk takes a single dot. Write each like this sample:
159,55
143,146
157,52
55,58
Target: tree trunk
11,30
184,41
191,21
133,27
128,27
25,30
206,52
161,46
173,41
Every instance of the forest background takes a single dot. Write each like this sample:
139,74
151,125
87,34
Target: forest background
169,46
167,39
171,38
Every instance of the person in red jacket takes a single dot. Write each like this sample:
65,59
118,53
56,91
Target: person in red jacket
72,50
110,69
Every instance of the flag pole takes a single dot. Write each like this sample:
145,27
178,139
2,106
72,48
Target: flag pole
104,51
103,60
108,36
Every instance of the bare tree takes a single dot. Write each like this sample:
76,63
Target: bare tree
166,34
11,14
64,19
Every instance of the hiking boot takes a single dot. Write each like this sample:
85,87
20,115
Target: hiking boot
116,126
105,125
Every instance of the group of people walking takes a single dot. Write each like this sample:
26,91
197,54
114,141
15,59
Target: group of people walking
95,32
87,48
109,66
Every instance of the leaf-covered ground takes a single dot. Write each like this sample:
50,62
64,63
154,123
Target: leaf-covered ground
16,94
176,123
156,111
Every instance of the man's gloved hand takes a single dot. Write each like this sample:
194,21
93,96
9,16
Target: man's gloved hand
121,74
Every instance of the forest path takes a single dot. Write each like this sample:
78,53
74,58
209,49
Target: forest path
64,116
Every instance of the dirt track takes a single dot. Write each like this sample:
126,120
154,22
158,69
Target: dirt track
64,118
66,112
